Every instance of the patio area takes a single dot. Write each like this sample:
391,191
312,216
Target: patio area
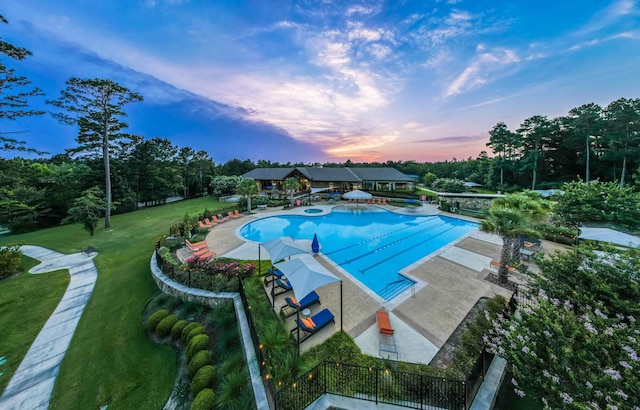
449,283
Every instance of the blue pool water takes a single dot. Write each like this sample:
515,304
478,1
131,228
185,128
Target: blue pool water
373,246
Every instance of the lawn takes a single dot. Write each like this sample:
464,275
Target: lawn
110,360
26,302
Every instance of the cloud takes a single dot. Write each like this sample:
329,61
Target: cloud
360,10
453,140
609,16
477,72
631,35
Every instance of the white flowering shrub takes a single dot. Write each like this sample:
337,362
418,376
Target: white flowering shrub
579,351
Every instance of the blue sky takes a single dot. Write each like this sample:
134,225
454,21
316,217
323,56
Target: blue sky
322,80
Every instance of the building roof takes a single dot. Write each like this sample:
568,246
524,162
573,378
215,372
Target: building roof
380,174
330,174
269,174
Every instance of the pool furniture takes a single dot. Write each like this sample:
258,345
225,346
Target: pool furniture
496,264
232,215
205,225
525,253
293,305
209,222
194,246
238,214
273,273
282,284
534,245
385,333
218,220
261,207
311,326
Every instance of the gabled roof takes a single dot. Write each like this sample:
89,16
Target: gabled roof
269,174
329,174
380,174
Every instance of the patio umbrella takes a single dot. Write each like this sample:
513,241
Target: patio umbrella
280,248
357,195
608,235
306,274
471,184
315,245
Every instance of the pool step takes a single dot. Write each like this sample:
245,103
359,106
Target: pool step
394,289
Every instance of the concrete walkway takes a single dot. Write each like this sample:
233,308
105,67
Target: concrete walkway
32,384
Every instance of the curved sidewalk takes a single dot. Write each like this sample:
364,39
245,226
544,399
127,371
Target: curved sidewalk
32,384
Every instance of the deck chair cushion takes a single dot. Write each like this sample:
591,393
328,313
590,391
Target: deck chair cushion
308,323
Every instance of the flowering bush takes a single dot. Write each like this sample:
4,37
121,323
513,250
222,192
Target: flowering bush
576,343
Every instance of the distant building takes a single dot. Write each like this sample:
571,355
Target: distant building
332,179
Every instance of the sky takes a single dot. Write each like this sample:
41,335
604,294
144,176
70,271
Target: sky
323,80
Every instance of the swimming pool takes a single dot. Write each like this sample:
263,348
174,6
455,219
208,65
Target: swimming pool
372,245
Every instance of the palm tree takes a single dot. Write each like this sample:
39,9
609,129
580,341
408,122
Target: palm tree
291,184
533,208
511,217
248,187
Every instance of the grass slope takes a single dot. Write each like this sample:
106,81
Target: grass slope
110,360
26,302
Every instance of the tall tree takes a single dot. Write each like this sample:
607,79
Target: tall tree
535,133
15,91
587,125
623,132
96,106
501,141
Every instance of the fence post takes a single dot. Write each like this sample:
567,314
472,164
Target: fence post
377,371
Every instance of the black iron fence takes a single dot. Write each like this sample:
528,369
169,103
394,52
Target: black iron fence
373,384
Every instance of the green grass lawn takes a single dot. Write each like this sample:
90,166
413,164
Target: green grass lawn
110,360
26,302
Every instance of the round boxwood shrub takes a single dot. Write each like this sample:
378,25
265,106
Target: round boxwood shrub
200,342
203,379
188,328
155,318
200,330
204,400
200,359
164,327
176,330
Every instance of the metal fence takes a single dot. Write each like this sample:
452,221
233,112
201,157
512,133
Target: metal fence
372,384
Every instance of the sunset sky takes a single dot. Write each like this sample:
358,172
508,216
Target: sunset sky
323,80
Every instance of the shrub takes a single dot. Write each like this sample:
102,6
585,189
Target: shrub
200,330
188,328
155,318
176,330
204,400
164,327
200,359
204,378
200,342
9,260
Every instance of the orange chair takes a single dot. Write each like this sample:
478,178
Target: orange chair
219,221
232,215
204,225
385,334
195,245
496,264
238,214
209,222
384,201
206,255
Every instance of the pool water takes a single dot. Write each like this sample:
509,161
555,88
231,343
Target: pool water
372,245
313,211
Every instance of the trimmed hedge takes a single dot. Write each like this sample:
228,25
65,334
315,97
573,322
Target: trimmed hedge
199,360
164,327
200,330
155,318
204,400
176,330
200,342
204,378
188,328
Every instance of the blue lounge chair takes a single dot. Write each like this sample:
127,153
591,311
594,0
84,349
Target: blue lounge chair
321,319
293,306
282,284
273,273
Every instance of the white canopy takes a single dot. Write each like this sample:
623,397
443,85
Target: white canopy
316,190
357,194
280,248
608,235
306,274
471,184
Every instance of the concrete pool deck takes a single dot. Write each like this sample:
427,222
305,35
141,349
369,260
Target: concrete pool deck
451,281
